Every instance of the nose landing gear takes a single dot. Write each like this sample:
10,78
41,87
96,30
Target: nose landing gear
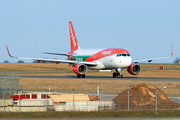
117,73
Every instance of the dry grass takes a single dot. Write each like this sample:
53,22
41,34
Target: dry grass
149,70
14,67
109,86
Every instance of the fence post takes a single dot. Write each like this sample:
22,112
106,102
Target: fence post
128,97
54,87
3,100
156,98
19,102
100,100
85,87
102,91
73,99
46,99
10,88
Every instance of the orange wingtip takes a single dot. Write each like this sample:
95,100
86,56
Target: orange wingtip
8,50
171,50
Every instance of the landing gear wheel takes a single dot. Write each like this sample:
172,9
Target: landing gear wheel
78,76
83,76
121,76
117,75
114,75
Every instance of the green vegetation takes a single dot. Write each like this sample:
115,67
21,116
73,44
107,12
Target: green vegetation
103,114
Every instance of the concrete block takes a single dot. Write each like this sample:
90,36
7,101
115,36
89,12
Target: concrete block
76,108
104,103
77,103
6,102
35,102
24,109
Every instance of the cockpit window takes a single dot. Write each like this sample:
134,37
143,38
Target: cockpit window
118,55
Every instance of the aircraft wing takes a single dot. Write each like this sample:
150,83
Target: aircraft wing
53,60
55,53
151,59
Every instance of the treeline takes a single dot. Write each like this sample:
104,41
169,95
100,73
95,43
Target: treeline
35,61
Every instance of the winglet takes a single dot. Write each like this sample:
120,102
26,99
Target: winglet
8,51
171,51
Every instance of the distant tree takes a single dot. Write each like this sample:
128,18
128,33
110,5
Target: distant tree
6,61
20,61
35,61
42,61
177,60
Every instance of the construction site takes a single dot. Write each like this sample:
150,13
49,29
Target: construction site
16,97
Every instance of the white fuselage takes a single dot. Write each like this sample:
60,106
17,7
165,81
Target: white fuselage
105,59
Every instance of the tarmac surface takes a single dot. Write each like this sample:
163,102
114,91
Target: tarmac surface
101,78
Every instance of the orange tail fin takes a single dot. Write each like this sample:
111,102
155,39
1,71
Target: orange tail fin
74,43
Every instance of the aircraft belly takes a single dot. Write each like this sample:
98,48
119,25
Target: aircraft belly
99,65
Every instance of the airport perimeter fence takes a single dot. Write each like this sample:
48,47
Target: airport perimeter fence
169,89
9,85
112,96
101,97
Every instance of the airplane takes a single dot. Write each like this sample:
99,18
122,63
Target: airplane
96,59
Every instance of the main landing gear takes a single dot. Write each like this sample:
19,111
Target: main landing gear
79,76
117,73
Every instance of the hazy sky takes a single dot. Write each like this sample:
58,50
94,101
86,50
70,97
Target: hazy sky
146,29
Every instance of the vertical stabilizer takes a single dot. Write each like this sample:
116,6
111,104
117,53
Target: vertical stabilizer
74,43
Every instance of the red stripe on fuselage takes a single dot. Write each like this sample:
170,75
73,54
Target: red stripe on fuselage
105,53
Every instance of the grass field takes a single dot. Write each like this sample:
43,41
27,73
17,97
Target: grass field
114,86
148,70
90,85
103,114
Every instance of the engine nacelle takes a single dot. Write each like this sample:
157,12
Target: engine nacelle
134,69
80,69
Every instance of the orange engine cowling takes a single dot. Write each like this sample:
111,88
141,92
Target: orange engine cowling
80,69
134,69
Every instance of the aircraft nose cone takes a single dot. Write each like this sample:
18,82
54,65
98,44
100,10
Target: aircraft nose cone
128,61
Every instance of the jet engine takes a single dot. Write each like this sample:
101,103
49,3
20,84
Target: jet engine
134,69
80,69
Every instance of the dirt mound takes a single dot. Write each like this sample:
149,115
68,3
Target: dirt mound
143,97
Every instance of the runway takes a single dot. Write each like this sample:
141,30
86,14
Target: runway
102,78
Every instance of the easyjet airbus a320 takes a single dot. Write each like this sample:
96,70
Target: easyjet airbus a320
97,59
